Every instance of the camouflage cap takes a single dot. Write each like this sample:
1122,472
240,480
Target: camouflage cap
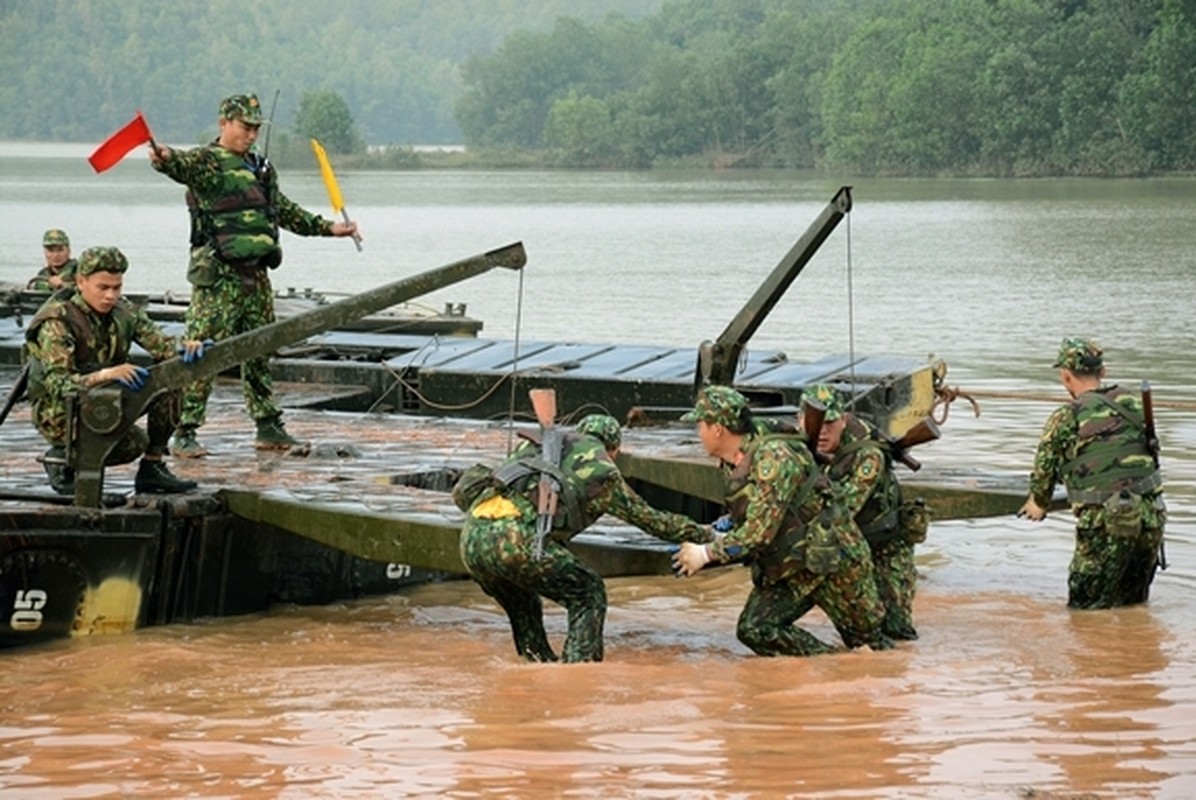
822,396
1080,355
102,259
244,107
602,427
717,405
55,237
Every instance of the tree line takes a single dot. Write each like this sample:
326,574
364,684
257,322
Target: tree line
75,71
903,87
899,87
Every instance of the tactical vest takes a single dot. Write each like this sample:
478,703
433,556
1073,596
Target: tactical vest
584,470
879,519
240,218
62,306
804,506
1110,453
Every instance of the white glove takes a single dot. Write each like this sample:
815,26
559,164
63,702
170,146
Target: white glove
690,558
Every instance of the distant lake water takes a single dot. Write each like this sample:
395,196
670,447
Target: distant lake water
420,694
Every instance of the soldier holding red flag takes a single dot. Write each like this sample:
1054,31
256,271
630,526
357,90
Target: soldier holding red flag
236,211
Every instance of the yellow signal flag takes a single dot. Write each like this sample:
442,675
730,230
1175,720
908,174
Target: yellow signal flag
334,191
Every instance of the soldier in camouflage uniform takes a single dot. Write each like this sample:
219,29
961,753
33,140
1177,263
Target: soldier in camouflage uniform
81,338
59,270
498,540
861,467
236,211
1097,446
803,549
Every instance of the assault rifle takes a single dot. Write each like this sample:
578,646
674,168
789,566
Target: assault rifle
924,431
1152,447
1152,438
17,393
544,404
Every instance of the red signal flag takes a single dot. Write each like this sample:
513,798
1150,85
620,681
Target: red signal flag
118,145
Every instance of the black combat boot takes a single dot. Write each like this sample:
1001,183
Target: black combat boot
154,478
62,477
186,445
271,435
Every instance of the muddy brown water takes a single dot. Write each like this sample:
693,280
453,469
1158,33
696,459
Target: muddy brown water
1007,694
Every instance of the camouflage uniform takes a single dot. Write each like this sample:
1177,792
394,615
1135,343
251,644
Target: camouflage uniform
40,282
1096,446
804,551
862,471
236,210
498,541
67,339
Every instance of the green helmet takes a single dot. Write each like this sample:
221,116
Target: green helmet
1080,355
244,107
102,259
55,237
602,427
822,396
717,405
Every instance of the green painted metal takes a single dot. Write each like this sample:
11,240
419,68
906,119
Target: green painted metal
718,360
424,542
101,416
950,496
420,541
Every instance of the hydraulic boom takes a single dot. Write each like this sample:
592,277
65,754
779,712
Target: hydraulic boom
717,360
101,416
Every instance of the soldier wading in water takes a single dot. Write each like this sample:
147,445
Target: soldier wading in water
861,466
1102,448
499,541
804,550
236,211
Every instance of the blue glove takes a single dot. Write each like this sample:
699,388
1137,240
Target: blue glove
134,383
191,357
722,524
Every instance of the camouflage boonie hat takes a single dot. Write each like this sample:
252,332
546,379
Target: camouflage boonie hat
717,405
1080,355
55,237
244,107
602,427
822,396
102,259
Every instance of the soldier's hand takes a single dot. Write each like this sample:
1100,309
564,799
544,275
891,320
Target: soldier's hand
192,350
1032,511
159,153
690,558
130,376
722,524
346,229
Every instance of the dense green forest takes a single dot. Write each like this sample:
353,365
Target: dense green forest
909,87
74,70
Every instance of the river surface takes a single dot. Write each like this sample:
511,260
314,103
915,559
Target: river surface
1007,694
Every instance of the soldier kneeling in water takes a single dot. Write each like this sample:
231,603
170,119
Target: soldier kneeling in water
81,338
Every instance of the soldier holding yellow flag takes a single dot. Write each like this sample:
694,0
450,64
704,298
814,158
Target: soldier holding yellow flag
236,211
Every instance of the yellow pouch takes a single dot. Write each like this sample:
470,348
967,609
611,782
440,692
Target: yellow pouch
497,507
